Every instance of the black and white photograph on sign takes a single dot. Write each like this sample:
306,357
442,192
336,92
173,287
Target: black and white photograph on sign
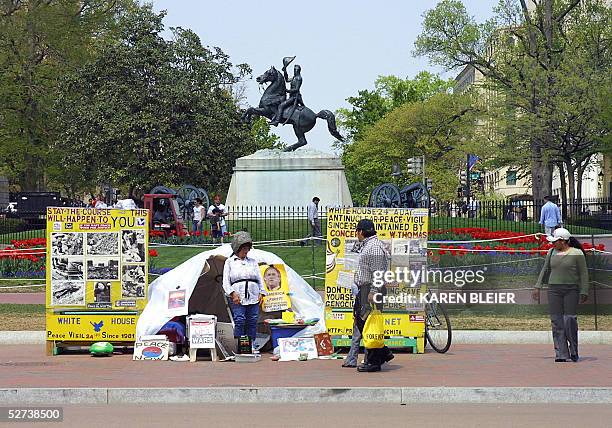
103,268
66,268
66,244
68,293
133,281
133,246
102,244
418,247
102,292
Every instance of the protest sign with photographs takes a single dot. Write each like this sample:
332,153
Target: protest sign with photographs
403,233
87,271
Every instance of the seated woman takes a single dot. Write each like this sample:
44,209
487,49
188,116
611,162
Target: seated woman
243,285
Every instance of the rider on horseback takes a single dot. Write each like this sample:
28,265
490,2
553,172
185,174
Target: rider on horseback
295,98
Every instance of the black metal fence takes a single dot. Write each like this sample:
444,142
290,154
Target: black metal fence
588,216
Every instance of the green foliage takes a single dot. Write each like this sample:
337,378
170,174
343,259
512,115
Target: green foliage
148,111
366,167
439,127
262,137
389,93
39,42
545,72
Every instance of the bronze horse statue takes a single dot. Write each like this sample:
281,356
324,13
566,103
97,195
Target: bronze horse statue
302,118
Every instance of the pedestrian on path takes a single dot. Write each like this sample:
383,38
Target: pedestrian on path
198,215
550,216
243,285
565,271
373,257
313,222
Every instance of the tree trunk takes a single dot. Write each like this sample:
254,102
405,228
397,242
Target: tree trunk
571,186
541,173
563,190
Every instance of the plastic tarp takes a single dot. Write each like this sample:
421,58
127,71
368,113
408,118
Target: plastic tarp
306,303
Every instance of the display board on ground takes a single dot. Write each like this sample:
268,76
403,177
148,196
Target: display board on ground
97,268
403,231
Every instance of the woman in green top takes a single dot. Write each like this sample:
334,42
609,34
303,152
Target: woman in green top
565,272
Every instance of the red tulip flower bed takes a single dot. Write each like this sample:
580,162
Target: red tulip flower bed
508,242
24,258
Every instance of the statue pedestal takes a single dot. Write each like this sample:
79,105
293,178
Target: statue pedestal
273,178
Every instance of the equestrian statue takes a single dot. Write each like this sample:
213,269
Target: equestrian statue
285,106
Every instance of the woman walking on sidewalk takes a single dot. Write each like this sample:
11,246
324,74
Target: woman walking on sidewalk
565,271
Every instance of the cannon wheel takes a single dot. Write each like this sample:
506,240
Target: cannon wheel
385,196
162,190
419,194
185,198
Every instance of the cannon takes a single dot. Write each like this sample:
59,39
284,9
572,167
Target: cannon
389,195
185,197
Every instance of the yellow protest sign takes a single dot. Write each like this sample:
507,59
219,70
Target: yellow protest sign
277,287
79,327
403,232
97,261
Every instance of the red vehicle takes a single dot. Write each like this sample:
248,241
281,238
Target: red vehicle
165,215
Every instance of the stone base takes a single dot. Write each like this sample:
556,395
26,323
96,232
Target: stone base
273,178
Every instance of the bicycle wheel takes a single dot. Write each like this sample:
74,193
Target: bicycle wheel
437,327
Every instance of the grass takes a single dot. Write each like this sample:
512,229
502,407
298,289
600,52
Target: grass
22,317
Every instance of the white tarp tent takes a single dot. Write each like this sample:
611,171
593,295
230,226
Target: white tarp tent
305,302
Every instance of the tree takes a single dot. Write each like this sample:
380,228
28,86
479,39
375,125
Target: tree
39,42
369,107
525,56
440,128
148,111
389,93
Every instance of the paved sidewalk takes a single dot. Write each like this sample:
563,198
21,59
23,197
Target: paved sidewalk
23,298
26,366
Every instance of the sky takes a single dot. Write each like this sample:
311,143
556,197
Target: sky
342,45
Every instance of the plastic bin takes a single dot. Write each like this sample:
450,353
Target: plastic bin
279,332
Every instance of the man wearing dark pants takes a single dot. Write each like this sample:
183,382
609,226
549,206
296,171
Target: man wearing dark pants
373,257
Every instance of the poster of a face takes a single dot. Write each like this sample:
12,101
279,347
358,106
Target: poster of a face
277,288
102,293
272,278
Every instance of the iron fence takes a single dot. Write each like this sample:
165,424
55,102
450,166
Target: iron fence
587,216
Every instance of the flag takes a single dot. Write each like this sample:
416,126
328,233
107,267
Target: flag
472,159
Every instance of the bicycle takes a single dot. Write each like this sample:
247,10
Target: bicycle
438,330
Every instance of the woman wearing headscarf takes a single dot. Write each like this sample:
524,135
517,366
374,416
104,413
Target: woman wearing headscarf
568,283
243,285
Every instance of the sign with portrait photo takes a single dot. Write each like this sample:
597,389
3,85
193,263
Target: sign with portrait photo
277,288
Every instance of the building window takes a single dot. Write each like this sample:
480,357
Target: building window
511,178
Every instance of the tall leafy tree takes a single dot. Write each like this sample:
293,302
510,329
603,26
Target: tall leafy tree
368,108
41,40
148,111
441,128
530,58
